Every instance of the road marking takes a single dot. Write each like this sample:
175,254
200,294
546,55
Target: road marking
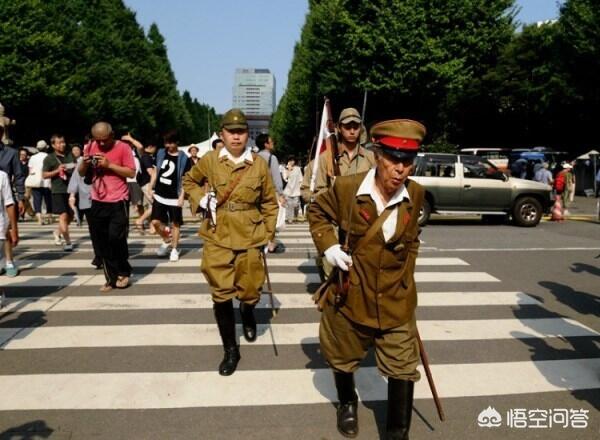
198,278
151,241
195,262
302,386
530,249
285,334
300,300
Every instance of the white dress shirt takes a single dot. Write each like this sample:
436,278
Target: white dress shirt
246,155
367,187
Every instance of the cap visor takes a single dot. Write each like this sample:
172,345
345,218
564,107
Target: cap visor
398,154
349,119
236,127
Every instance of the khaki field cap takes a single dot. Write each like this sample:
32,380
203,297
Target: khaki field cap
234,119
399,137
349,115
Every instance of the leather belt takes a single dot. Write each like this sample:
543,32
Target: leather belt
233,206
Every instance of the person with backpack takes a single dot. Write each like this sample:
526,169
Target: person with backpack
266,145
168,196
560,182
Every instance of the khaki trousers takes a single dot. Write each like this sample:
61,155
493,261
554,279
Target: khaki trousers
233,274
345,344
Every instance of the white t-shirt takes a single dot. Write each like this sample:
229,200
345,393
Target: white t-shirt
6,199
35,164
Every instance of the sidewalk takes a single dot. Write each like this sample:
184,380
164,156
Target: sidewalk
583,208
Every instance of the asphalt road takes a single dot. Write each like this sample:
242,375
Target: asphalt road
509,317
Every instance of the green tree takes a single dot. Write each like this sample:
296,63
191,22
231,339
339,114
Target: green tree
65,65
415,58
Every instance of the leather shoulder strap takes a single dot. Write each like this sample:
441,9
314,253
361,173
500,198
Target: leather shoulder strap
377,224
234,183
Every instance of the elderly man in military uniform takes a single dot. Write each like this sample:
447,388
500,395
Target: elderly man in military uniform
374,302
233,187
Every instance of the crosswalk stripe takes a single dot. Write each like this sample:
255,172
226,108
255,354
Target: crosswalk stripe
300,300
152,241
295,384
285,334
26,236
285,387
198,278
195,262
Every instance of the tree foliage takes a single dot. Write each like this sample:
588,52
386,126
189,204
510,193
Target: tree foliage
65,65
460,66
414,57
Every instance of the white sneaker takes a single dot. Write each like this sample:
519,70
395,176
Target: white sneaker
57,238
174,255
68,247
162,250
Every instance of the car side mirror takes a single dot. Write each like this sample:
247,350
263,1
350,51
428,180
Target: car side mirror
499,175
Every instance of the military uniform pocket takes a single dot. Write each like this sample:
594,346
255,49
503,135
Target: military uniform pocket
250,189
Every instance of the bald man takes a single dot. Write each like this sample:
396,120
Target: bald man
106,166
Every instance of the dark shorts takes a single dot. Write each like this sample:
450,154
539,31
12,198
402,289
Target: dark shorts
166,214
136,198
60,204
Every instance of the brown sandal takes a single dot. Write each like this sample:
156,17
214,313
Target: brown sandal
106,288
122,282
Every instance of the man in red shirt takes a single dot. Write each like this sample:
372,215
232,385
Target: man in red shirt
106,166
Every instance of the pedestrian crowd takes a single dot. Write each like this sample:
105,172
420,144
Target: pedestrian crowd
104,179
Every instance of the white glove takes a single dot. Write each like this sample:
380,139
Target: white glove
337,257
209,203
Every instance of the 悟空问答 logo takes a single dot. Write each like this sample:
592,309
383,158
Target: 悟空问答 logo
489,418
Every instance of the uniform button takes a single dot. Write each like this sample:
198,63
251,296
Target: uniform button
381,270
319,235
379,295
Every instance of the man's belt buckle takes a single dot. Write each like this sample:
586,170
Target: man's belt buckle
231,206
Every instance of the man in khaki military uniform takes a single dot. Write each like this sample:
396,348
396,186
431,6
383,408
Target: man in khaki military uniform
240,215
379,210
353,158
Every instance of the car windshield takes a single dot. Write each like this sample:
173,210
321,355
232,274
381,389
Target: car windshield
479,168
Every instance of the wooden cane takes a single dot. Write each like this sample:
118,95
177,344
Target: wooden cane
425,362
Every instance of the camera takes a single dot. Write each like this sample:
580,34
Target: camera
94,162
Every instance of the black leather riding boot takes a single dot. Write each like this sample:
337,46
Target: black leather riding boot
400,405
347,412
248,322
226,323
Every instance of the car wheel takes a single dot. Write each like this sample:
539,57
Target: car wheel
424,213
527,212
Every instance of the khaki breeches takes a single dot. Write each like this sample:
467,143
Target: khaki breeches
233,274
344,345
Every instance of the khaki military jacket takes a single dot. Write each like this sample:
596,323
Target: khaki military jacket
248,217
382,292
361,162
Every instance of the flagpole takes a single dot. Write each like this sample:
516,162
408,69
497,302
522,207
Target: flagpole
364,109
320,140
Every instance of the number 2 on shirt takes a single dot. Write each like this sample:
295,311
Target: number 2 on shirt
164,175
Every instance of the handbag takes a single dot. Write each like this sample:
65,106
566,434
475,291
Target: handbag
280,225
33,181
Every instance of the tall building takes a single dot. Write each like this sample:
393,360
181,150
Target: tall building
254,94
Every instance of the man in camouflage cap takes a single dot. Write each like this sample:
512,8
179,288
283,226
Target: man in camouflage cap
233,187
377,213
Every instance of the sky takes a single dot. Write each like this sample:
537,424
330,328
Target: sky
206,42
